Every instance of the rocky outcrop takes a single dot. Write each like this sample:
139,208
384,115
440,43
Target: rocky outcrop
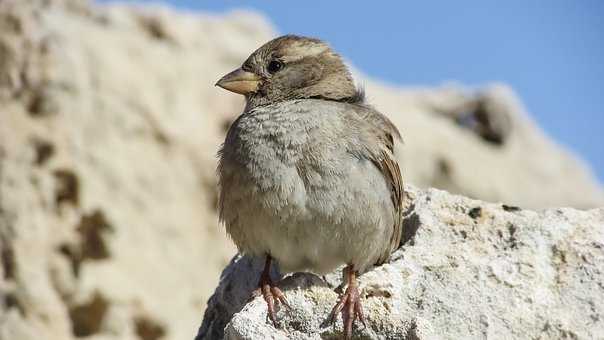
109,125
468,270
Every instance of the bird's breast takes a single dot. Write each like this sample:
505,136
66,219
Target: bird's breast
260,160
289,187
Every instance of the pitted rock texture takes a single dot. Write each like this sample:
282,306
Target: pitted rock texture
472,270
109,126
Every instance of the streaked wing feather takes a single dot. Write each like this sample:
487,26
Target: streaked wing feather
392,173
385,132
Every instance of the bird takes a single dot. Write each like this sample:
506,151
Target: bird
308,173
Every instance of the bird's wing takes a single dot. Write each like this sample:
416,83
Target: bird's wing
377,127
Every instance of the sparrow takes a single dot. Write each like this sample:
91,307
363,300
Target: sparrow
308,173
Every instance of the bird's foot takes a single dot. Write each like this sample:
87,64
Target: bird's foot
270,292
349,305
273,297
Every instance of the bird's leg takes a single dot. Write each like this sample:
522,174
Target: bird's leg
269,291
349,303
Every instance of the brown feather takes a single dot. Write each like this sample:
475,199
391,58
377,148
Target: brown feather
392,173
385,132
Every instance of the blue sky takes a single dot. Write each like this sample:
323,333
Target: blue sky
550,52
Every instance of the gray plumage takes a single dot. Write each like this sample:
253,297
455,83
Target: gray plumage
305,175
308,173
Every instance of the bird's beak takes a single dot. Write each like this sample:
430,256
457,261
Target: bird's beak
240,81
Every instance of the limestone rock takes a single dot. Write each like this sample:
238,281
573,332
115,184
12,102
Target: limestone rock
472,270
109,126
483,144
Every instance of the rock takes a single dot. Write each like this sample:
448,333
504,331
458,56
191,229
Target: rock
108,135
483,145
494,274
109,127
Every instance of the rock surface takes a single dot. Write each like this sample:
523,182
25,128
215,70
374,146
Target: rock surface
472,270
109,125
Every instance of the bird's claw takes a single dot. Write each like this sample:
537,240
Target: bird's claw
273,297
271,293
350,306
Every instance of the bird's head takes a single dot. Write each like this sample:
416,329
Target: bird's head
292,67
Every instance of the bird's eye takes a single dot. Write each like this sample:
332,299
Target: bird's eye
274,66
